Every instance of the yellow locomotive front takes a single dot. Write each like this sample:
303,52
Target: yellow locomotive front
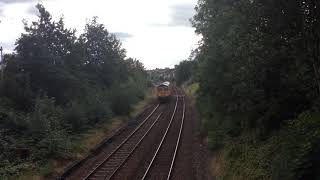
163,92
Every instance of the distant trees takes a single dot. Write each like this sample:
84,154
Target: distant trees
258,68
160,75
57,84
184,71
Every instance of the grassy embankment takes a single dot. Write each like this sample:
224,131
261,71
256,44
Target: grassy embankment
284,154
215,159
83,143
281,155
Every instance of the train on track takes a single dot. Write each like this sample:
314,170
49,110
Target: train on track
164,91
130,149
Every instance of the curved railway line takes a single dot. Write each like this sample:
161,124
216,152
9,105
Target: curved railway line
157,137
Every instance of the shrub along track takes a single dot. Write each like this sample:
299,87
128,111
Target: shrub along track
154,149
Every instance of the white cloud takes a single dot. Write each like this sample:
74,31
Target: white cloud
181,14
137,21
11,25
14,1
162,47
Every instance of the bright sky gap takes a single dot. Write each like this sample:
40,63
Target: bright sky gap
157,32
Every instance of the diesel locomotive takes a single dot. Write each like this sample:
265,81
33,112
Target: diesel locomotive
164,91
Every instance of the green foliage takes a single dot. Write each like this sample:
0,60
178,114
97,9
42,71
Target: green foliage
184,71
75,116
258,67
58,85
9,169
291,153
126,94
160,75
247,69
299,149
123,96
97,107
46,127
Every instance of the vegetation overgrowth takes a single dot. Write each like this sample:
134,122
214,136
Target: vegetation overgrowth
258,67
57,85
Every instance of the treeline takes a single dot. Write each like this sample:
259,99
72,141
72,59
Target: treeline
258,70
161,75
184,72
57,85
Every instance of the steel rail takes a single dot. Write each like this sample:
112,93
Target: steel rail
135,147
119,146
178,141
162,140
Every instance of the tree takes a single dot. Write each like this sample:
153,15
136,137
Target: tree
184,71
42,52
252,60
103,52
57,84
258,70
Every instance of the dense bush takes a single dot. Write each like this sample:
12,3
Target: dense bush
288,154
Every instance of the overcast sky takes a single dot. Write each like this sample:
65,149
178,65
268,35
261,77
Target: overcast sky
157,32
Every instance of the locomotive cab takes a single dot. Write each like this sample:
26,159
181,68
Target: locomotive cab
163,92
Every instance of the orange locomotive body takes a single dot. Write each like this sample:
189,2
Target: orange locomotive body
164,92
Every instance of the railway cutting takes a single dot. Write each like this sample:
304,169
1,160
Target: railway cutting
152,148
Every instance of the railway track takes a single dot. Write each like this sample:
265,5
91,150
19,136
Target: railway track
82,168
162,163
160,131
105,168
